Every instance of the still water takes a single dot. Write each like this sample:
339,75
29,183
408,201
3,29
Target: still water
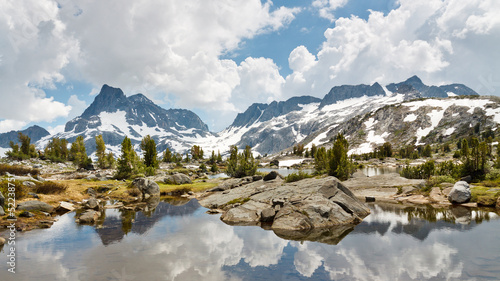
178,241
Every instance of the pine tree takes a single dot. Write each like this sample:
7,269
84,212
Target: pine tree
340,166
100,152
167,156
321,160
78,153
127,165
148,147
313,150
219,157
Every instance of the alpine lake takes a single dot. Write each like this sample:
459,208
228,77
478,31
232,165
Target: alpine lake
177,240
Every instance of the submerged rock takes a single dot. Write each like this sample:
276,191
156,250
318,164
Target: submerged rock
460,193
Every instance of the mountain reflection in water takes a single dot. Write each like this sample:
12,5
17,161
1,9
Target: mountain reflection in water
177,241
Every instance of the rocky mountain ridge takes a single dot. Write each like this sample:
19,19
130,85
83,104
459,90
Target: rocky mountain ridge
35,133
267,128
115,116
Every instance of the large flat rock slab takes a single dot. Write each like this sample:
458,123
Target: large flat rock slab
299,206
390,180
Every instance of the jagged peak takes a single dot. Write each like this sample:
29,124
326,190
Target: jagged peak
140,98
414,79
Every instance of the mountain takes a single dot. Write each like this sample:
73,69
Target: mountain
115,116
311,120
34,132
419,122
277,126
432,91
339,93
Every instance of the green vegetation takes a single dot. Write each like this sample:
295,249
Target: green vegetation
196,186
148,146
104,161
128,161
57,150
197,152
298,150
20,190
78,154
293,177
424,171
241,165
334,161
24,151
238,201
482,194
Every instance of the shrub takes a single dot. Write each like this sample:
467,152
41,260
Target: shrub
50,187
150,171
17,186
423,171
494,174
297,176
18,170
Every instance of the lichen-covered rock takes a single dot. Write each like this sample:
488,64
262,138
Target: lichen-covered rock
147,186
460,193
177,179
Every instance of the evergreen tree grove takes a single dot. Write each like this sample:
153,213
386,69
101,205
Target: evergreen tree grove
57,150
334,161
242,164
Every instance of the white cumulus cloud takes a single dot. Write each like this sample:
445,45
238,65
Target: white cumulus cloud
440,41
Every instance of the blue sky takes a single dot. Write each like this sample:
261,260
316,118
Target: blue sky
218,57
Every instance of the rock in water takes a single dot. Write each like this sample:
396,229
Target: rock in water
92,203
460,193
64,207
298,206
89,216
146,186
35,205
267,215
